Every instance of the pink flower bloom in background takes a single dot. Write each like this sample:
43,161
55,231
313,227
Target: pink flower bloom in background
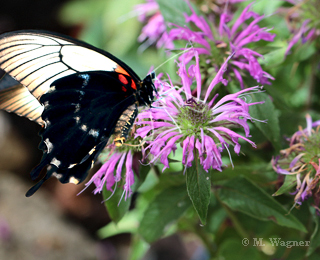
302,160
227,39
303,22
154,32
197,125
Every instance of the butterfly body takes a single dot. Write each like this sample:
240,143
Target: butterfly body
80,94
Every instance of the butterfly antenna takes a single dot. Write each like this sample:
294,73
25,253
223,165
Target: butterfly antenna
129,15
177,54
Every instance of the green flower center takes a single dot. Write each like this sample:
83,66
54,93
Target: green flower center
312,147
192,117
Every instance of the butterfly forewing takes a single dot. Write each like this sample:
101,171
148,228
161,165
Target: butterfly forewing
36,59
15,98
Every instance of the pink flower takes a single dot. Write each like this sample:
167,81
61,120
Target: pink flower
302,160
111,172
225,39
202,125
300,23
154,32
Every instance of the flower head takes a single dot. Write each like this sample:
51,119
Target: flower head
215,42
303,21
302,160
114,160
181,117
154,31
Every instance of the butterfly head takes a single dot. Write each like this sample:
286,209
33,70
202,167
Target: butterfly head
147,90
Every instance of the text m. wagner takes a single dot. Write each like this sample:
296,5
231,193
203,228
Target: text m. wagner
278,242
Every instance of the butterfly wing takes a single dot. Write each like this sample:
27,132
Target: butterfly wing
15,98
80,113
38,58
82,91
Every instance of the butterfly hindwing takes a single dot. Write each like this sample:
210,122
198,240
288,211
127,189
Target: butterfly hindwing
80,114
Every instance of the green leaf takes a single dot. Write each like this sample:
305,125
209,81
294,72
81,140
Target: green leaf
173,12
216,219
315,237
143,172
167,207
171,179
289,182
115,203
255,172
198,186
271,57
115,208
233,248
266,111
243,195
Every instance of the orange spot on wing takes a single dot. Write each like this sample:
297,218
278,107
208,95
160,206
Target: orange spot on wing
121,70
133,85
123,79
123,89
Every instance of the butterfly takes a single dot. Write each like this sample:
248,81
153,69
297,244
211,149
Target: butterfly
81,95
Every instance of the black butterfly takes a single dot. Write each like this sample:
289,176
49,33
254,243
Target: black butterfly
80,94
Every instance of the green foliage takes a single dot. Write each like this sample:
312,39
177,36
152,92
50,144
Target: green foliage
268,112
198,186
173,11
168,206
243,195
116,209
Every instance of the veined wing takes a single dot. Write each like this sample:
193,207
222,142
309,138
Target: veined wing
37,58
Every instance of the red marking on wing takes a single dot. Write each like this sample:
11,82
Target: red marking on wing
122,71
133,85
123,89
123,79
